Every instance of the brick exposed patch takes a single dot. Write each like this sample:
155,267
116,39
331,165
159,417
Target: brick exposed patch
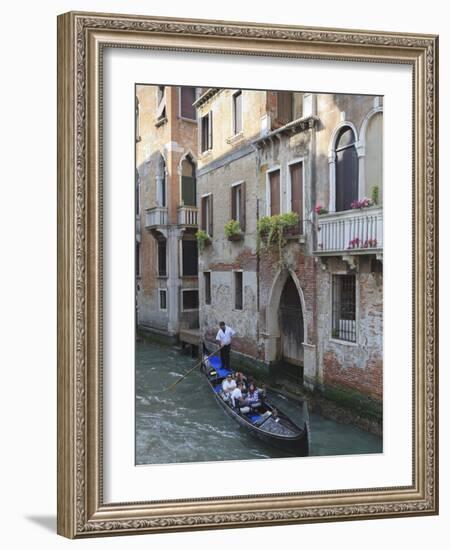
368,380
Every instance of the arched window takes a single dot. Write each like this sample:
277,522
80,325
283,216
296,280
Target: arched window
346,169
188,182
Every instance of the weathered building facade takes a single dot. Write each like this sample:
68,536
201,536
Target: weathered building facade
264,209
166,209
313,300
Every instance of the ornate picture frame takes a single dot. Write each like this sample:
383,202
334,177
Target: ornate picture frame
82,511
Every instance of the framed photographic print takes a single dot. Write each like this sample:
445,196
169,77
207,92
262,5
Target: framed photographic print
247,288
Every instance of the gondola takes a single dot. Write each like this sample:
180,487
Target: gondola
264,421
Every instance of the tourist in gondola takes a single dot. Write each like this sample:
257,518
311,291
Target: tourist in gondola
228,385
237,398
224,336
252,396
241,378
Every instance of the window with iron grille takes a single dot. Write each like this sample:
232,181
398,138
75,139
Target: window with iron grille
238,290
207,281
162,258
344,308
190,299
163,299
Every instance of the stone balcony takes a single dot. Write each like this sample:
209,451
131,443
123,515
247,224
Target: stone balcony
188,216
351,232
156,217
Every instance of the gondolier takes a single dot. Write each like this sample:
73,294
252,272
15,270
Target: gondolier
224,336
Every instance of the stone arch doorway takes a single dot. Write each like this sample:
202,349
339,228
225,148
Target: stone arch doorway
286,327
290,318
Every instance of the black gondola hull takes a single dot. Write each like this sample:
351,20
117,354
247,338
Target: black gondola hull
295,445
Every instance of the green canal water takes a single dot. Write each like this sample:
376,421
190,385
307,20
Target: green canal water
187,425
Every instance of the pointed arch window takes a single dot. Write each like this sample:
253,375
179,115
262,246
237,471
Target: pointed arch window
346,169
188,182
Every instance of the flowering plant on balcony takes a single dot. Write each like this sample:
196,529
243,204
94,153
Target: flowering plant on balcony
354,243
370,243
319,209
363,203
359,243
203,239
233,230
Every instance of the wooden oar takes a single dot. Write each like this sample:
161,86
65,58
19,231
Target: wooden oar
189,372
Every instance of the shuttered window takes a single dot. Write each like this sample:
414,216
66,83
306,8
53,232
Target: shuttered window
207,214
284,107
207,132
238,204
188,183
274,190
187,98
237,112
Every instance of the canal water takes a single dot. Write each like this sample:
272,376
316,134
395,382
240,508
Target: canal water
185,424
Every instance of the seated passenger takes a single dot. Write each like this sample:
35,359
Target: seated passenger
228,385
237,399
253,395
241,378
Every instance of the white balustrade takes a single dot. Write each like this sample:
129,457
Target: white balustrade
188,215
353,231
156,216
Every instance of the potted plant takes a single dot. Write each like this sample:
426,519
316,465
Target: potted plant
233,231
375,195
320,210
272,230
360,204
203,239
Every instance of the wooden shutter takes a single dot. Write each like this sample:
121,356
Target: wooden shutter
188,190
296,171
242,209
237,112
284,107
210,130
274,178
210,208
233,201
187,99
204,205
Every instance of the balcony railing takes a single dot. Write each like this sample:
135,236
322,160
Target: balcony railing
156,216
188,215
350,232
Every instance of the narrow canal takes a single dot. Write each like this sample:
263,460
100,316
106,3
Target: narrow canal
186,425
